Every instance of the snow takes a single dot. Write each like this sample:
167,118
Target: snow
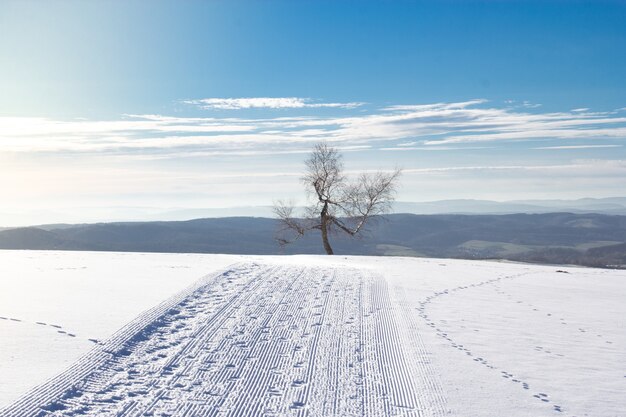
308,335
89,295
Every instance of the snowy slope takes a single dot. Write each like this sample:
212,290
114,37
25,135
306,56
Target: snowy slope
318,336
53,303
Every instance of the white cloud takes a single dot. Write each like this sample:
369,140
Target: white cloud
436,148
435,106
530,105
266,102
591,167
440,126
580,147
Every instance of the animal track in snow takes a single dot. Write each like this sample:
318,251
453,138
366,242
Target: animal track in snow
493,283
57,328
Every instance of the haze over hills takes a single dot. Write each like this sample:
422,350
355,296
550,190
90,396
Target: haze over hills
612,205
559,238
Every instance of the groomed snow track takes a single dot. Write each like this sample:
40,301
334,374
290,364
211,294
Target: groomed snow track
256,340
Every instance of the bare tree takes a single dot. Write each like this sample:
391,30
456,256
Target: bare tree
337,204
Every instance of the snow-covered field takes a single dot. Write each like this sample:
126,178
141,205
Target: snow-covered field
53,303
307,335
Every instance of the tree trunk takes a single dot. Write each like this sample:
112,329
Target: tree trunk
324,224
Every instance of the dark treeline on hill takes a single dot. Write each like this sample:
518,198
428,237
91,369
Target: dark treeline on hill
557,238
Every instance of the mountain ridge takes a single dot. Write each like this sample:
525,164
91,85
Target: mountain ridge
584,239
609,205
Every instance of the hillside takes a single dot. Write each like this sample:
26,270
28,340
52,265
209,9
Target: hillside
559,238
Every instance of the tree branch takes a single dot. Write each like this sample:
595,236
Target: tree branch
289,225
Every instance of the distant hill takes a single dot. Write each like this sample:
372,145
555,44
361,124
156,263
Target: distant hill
29,238
612,205
560,238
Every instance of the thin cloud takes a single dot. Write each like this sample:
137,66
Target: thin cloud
530,105
434,106
438,148
266,103
470,124
597,167
580,147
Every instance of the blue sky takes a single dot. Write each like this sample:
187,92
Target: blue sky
215,104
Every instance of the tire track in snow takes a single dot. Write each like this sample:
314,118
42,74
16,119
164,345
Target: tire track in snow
434,400
38,400
257,340
411,388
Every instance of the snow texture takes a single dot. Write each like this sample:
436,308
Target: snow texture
56,305
358,336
